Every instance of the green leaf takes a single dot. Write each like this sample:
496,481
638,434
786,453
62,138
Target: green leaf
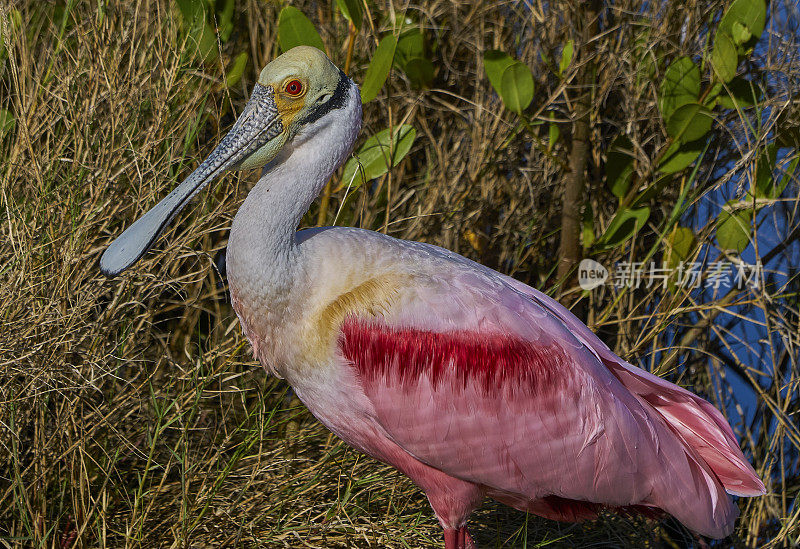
352,10
237,70
295,29
14,24
411,59
762,180
377,157
646,64
733,228
741,34
226,20
202,42
410,45
619,166
689,122
713,93
680,156
543,56
419,71
626,223
566,56
787,126
192,11
750,14
201,38
225,31
652,190
553,133
7,122
679,246
587,226
764,184
724,58
788,175
495,62
681,85
739,93
14,19
379,68
516,88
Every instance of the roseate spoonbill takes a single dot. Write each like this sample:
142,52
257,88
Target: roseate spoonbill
468,381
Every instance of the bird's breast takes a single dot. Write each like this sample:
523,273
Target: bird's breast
322,380
262,326
294,331
292,304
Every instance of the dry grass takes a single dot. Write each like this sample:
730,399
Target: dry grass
131,412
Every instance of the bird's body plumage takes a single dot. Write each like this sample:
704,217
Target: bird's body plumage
471,383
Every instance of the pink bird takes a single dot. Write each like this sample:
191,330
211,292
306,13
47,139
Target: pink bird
471,383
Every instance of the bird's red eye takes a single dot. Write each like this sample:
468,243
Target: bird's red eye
294,87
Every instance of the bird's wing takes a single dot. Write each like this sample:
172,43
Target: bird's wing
694,418
487,381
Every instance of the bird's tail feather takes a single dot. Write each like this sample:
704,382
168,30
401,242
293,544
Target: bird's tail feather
692,493
699,424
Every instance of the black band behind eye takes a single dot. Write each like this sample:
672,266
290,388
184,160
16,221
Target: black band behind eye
337,101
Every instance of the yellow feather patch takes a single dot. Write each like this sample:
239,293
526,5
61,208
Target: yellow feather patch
370,298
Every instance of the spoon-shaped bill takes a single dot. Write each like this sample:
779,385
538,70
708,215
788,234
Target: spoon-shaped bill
258,124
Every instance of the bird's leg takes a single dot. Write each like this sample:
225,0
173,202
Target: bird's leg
451,539
466,539
458,538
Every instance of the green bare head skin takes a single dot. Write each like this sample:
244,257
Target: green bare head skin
318,78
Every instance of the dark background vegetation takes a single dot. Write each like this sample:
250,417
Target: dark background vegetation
131,412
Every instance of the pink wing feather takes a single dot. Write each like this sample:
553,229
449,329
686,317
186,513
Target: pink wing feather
489,381
695,419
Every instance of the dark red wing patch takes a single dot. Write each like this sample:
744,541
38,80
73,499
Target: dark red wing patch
492,361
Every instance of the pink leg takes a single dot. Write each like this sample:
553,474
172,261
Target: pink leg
458,539
467,539
451,539
452,499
